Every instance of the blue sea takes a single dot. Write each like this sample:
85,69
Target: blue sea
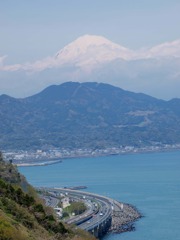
149,181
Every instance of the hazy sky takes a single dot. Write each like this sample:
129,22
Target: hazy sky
33,29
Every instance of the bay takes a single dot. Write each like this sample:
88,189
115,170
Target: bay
149,181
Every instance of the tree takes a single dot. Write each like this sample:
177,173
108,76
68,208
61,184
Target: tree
1,156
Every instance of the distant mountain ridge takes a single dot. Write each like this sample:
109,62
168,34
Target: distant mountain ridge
87,115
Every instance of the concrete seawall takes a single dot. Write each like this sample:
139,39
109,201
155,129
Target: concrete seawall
123,217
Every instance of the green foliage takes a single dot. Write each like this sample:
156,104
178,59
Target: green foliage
39,208
8,231
75,207
65,214
9,172
22,216
16,202
19,213
1,156
24,208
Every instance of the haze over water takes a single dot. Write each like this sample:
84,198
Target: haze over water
150,181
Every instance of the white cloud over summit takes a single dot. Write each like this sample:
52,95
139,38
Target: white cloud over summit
168,49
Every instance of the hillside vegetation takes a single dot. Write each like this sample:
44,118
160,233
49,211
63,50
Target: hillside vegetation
87,115
23,216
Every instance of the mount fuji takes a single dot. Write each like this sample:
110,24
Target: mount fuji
88,50
154,71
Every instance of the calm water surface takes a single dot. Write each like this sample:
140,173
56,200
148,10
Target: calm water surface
150,181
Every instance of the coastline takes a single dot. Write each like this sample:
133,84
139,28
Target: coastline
124,217
152,198
46,163
50,161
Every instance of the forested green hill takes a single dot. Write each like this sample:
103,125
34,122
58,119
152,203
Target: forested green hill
23,215
87,116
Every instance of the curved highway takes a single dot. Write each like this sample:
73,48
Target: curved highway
98,213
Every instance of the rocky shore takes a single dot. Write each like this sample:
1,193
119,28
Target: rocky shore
123,217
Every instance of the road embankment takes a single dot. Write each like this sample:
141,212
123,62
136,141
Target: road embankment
123,217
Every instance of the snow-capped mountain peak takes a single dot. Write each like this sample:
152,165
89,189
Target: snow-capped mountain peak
91,49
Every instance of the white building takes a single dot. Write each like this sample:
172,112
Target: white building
65,202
